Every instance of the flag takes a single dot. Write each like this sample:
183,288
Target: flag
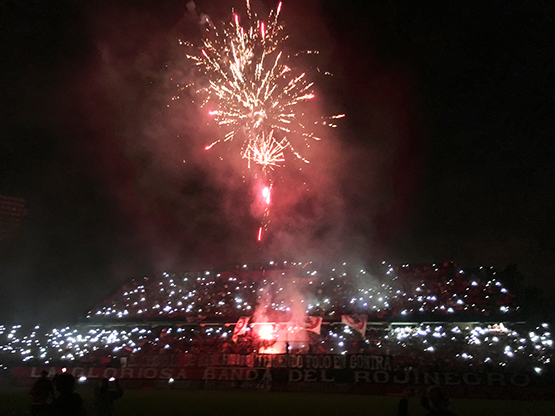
356,321
313,323
240,327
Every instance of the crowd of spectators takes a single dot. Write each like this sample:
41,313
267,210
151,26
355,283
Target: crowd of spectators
391,293
431,316
505,347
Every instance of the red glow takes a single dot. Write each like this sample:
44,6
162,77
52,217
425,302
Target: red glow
265,332
260,234
274,349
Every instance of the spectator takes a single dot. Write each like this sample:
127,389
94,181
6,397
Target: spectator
42,395
67,402
436,402
104,396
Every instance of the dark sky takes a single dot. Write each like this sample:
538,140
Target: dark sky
445,152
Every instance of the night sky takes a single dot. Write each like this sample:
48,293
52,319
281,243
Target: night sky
446,151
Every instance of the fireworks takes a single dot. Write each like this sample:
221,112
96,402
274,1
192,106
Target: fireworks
265,195
255,94
265,151
253,91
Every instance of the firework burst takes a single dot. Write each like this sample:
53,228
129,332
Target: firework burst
265,151
255,94
252,91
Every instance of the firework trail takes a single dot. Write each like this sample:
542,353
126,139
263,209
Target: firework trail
253,94
266,194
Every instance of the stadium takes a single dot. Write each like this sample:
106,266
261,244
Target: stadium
301,327
141,137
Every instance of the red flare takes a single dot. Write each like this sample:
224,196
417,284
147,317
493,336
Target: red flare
265,332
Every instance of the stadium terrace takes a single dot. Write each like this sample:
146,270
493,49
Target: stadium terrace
438,320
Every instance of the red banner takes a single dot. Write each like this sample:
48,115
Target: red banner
356,321
313,323
240,327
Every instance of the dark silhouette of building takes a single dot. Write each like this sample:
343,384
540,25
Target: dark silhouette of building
13,211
